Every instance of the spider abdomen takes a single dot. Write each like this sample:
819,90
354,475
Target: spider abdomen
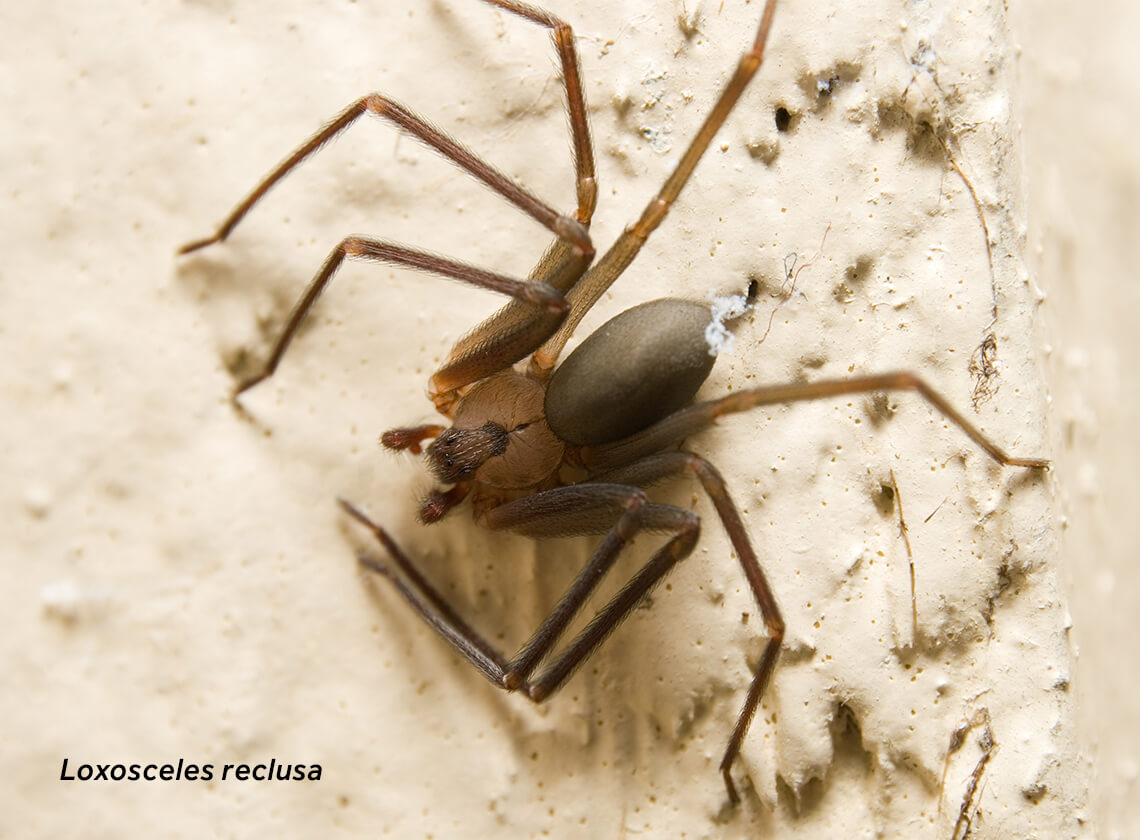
636,369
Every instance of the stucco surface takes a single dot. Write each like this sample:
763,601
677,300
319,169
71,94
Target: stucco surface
181,584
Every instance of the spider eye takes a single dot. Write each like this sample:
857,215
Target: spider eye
457,453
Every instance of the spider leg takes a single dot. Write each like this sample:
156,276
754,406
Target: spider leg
545,307
616,510
656,468
618,609
615,261
563,35
586,509
484,352
688,421
561,266
437,613
380,106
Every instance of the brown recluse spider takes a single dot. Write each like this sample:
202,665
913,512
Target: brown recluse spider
617,409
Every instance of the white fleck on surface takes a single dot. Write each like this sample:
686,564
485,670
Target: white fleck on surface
723,308
62,598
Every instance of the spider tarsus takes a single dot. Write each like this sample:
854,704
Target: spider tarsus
199,244
1033,463
359,515
367,560
733,796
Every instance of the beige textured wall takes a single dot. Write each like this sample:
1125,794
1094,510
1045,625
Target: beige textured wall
181,585
1079,97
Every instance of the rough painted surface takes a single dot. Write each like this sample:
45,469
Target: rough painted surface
1084,193
182,585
